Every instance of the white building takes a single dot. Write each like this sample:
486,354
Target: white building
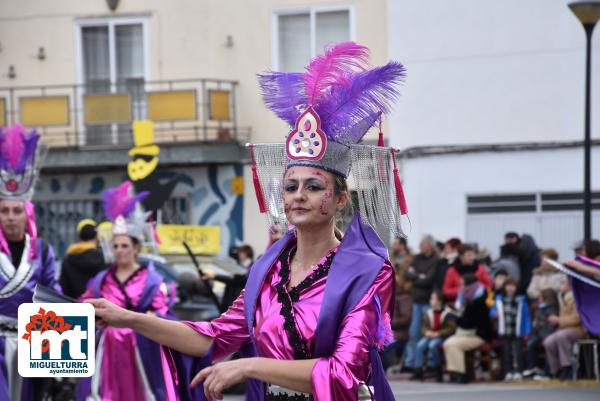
491,119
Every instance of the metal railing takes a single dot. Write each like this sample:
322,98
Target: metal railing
75,132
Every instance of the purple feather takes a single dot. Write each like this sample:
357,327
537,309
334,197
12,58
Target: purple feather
283,93
119,201
17,148
339,61
364,94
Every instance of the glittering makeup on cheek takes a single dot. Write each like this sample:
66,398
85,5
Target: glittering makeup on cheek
326,197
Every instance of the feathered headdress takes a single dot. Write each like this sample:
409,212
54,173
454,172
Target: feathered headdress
331,106
122,207
20,159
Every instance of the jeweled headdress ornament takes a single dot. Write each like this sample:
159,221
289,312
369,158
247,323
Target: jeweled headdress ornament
21,155
330,107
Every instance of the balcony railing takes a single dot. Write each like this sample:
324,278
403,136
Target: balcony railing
100,113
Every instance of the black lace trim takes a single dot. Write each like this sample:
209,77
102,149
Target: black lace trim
122,286
285,397
296,340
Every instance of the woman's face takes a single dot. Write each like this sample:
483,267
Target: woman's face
13,219
309,197
468,258
125,250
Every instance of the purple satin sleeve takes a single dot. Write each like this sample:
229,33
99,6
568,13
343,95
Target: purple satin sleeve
338,377
229,331
48,278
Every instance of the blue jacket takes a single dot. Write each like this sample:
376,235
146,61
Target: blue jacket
523,316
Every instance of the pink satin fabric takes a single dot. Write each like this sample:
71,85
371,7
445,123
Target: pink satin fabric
120,379
334,378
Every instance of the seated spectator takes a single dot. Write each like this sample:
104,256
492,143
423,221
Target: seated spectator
514,323
558,345
508,261
547,306
437,326
402,316
545,276
466,263
473,327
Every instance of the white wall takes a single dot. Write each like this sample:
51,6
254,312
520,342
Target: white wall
436,187
490,71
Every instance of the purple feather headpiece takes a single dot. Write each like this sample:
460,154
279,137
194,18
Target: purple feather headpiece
18,162
120,201
339,88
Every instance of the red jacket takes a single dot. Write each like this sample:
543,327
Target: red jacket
453,279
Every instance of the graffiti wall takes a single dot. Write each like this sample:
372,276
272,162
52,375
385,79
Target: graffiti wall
208,195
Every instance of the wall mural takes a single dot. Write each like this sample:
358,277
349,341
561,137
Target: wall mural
207,195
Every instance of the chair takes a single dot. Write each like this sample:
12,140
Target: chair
586,349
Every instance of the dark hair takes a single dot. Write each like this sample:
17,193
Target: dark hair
500,272
512,234
247,249
135,241
339,184
454,243
439,245
592,249
88,233
549,296
509,250
402,240
464,248
440,295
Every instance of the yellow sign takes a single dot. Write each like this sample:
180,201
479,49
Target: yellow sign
172,105
204,240
2,112
107,108
44,110
237,185
219,105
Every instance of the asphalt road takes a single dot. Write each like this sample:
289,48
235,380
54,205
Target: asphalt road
410,391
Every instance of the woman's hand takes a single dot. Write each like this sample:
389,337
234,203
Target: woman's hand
109,314
221,376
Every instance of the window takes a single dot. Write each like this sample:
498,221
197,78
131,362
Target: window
300,35
113,60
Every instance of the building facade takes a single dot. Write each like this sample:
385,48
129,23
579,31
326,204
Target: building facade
491,119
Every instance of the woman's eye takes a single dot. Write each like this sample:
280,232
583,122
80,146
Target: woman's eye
313,188
290,188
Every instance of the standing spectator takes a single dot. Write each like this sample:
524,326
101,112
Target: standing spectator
437,326
449,257
83,261
439,249
558,344
399,251
473,327
402,316
547,306
530,259
545,276
514,323
500,277
508,261
512,237
421,274
465,264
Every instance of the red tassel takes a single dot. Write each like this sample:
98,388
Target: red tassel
262,207
380,142
399,190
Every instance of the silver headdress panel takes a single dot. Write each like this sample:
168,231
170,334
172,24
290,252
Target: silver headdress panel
372,174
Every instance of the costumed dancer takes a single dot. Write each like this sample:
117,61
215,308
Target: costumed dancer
128,365
316,310
24,259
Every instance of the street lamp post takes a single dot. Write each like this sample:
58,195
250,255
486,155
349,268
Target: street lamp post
588,13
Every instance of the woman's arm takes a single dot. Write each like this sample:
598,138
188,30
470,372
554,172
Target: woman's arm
582,268
295,375
175,335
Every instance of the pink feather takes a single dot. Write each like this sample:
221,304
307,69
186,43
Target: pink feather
339,61
13,144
